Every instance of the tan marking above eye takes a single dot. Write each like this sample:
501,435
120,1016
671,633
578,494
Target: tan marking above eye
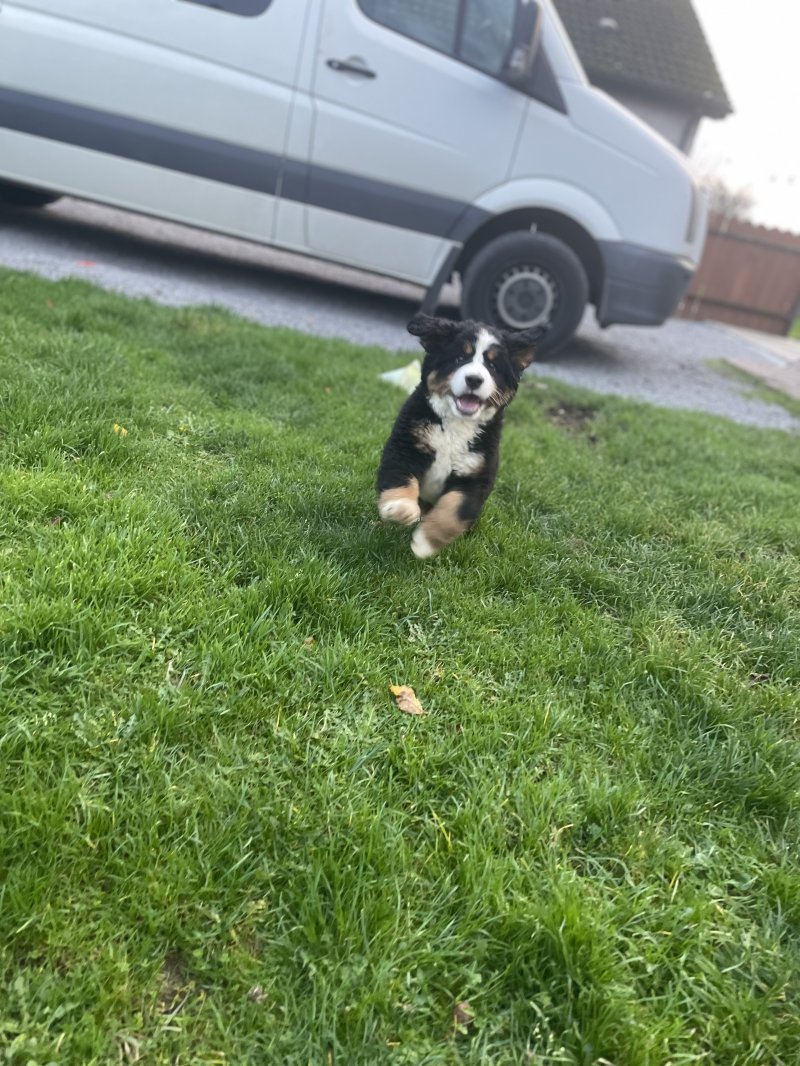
469,348
492,354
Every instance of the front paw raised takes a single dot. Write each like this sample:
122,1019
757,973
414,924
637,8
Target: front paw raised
403,511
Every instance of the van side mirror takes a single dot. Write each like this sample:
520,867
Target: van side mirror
524,42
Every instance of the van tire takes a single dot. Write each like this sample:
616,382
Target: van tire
21,196
521,280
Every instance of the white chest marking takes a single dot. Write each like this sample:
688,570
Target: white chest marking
450,442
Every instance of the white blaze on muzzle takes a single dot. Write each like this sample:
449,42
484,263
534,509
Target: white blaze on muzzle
472,384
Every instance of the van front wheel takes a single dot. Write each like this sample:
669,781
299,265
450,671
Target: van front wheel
22,196
521,280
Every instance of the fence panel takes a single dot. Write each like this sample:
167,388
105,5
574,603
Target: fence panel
749,276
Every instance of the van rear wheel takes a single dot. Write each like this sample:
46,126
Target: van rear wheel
22,196
522,280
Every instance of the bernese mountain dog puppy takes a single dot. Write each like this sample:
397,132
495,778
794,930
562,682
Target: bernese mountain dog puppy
440,461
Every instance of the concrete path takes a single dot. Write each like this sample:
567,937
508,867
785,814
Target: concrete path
775,360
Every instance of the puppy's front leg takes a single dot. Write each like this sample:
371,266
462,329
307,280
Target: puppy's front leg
454,513
400,503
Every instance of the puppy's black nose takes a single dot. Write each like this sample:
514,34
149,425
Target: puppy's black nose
473,381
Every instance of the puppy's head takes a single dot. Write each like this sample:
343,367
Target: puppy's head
471,371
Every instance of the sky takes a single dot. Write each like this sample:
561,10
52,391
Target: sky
757,50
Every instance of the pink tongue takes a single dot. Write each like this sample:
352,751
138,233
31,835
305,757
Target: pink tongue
467,405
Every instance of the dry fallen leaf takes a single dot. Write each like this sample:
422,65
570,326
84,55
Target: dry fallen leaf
406,699
758,679
256,994
463,1016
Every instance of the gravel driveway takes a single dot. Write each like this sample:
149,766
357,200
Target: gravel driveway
671,366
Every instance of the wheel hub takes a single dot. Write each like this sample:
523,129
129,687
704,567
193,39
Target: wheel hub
526,296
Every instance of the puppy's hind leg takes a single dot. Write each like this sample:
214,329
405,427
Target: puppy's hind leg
400,504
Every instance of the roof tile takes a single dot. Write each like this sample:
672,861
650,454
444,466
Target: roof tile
655,46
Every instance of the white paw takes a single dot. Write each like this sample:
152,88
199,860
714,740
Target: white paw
404,512
420,545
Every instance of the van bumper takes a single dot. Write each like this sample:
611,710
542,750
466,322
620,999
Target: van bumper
641,287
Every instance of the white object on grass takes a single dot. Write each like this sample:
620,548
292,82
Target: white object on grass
406,377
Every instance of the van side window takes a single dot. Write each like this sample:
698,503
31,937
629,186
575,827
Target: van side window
478,32
248,8
486,37
431,22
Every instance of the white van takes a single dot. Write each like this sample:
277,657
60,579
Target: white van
415,138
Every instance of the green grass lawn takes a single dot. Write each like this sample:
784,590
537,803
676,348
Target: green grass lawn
220,840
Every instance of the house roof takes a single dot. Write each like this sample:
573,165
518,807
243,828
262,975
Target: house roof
656,47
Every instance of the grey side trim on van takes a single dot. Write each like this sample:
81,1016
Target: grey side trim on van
232,164
143,142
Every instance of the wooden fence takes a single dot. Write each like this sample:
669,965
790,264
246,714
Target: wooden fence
749,276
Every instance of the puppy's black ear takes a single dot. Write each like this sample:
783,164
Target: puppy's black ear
431,330
522,346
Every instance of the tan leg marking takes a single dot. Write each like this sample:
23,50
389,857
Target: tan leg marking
440,526
400,505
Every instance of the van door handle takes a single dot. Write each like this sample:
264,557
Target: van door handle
351,66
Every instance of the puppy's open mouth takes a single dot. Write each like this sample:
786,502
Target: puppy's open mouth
468,404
